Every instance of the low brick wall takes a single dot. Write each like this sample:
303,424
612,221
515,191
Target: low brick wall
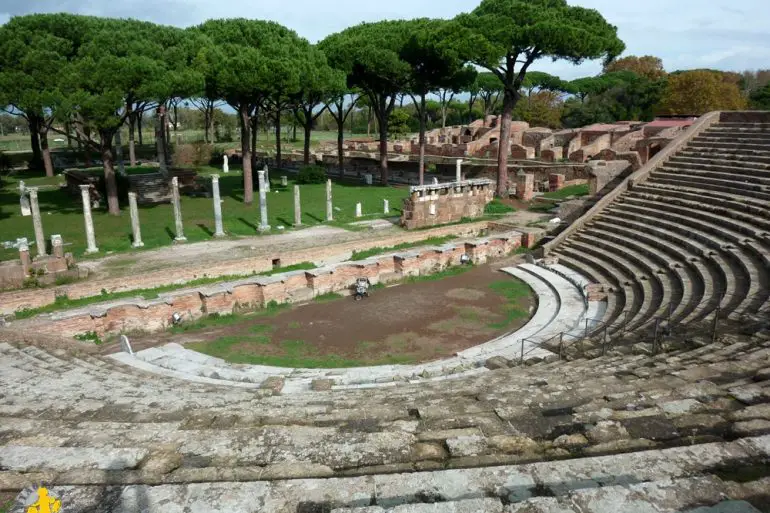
256,292
10,302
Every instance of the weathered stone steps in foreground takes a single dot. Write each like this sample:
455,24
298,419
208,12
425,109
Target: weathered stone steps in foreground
677,479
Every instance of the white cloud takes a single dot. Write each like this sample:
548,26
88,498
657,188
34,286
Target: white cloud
723,34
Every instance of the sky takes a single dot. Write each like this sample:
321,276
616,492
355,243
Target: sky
730,35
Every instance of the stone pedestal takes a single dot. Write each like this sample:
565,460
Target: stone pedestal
26,260
136,229
555,182
329,208
263,226
57,246
297,207
175,199
218,229
385,207
359,212
37,222
459,170
90,236
525,186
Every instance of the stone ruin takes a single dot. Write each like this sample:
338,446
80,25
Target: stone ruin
436,204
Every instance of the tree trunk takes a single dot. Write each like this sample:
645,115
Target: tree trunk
509,102
422,139
308,126
341,143
369,123
382,120
278,139
207,115
254,129
68,129
294,132
131,142
159,145
166,135
34,140
47,162
176,118
87,147
113,205
139,116
248,179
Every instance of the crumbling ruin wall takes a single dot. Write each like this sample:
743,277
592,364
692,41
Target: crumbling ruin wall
432,205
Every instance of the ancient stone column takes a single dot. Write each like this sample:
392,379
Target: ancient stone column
177,210
459,170
37,222
267,178
297,207
218,229
135,228
358,210
329,209
225,164
90,237
385,207
57,246
284,181
263,226
26,261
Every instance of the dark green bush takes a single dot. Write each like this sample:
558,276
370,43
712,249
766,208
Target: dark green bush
311,174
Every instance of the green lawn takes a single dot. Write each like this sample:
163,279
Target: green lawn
566,192
62,213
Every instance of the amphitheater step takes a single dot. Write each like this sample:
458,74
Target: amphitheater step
676,479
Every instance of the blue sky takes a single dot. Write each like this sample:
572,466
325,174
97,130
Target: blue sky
721,34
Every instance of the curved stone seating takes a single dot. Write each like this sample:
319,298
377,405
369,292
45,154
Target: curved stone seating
101,423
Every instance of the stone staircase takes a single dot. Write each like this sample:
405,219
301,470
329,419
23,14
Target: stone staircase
689,242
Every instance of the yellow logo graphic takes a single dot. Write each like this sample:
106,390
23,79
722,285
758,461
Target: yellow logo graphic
45,503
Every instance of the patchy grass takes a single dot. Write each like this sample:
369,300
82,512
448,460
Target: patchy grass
541,206
513,291
430,241
566,192
446,273
496,207
89,336
63,302
329,296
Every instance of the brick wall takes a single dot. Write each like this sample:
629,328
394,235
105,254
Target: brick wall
35,298
256,292
431,205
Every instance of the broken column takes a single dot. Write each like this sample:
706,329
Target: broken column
225,164
135,228
57,246
329,209
297,207
459,170
267,178
358,210
26,261
85,195
555,182
263,226
525,186
177,210
218,230
385,207
37,222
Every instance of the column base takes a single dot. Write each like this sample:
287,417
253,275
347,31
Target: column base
91,251
180,239
264,228
297,225
137,245
220,234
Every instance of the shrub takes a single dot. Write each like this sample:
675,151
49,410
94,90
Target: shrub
192,155
311,174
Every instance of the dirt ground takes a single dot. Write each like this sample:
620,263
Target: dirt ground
405,323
